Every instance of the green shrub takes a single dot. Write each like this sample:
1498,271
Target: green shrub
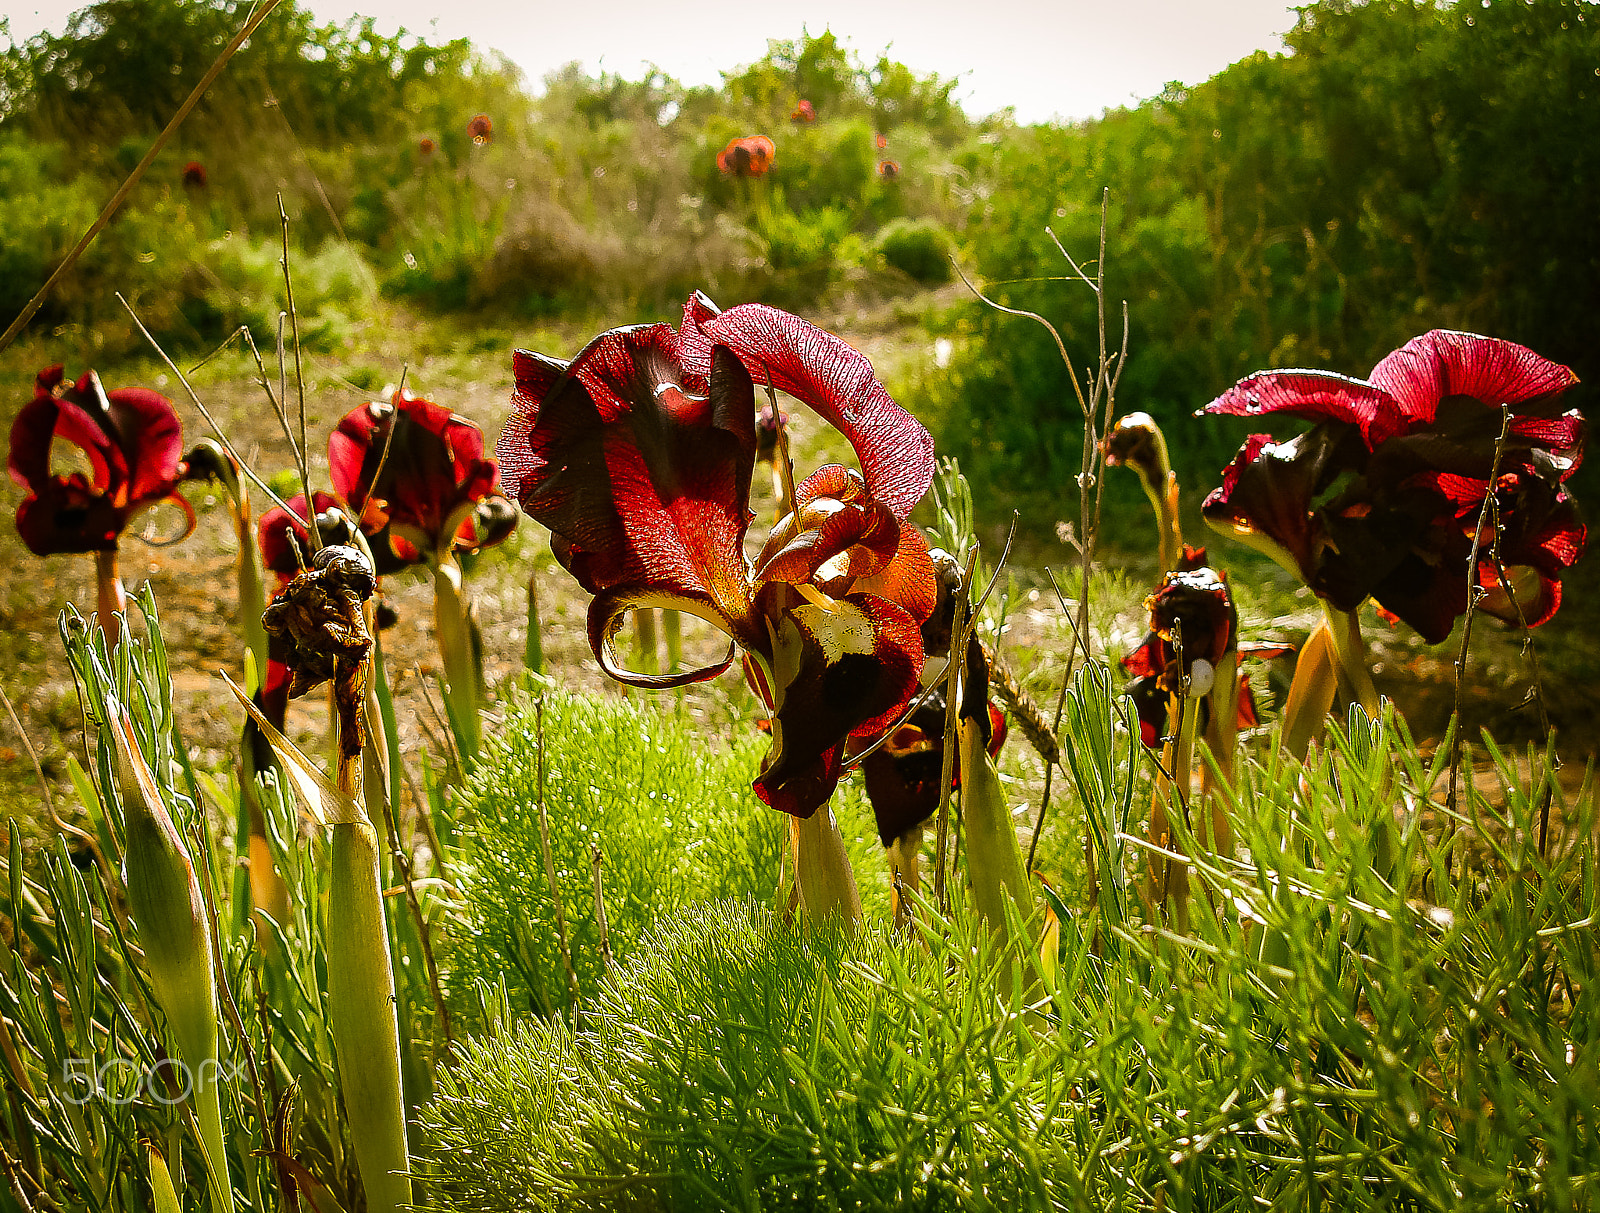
672,812
1377,1016
918,247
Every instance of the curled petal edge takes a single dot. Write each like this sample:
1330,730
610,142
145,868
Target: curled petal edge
607,612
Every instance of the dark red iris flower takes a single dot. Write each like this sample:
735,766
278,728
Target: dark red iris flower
902,775
426,491
804,112
751,156
1195,603
480,129
638,456
131,441
194,175
1382,497
889,170
285,545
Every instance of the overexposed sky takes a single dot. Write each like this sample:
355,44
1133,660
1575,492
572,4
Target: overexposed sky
1046,58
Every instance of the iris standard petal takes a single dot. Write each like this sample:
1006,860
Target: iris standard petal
835,381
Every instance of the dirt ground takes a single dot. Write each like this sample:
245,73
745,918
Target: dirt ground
469,370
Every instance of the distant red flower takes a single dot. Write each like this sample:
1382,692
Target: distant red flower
638,456
1382,497
481,129
889,170
194,176
425,491
767,425
286,556
751,156
882,141
427,147
804,112
132,441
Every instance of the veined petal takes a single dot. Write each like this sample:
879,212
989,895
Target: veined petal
845,668
642,469
1431,368
409,461
1316,396
837,382
147,428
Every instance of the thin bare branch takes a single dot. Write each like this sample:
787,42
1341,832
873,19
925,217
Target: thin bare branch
209,419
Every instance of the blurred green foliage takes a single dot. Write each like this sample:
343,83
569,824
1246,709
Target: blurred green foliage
595,192
1411,164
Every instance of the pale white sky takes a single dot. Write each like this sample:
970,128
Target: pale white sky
1066,58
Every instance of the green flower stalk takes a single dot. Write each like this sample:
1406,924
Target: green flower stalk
209,461
995,871
164,896
1311,691
825,883
1137,442
318,630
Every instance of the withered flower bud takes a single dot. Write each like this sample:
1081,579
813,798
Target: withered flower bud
317,620
1137,442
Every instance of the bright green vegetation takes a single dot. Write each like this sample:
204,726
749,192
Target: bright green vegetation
1351,1021
599,193
1411,164
676,822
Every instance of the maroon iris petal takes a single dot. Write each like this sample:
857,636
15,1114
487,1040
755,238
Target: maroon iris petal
831,696
133,443
837,382
420,477
280,554
1431,368
640,468
1316,396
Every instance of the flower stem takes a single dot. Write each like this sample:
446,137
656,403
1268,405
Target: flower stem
994,860
111,600
1311,692
1166,879
361,998
456,649
1345,629
822,872
1222,738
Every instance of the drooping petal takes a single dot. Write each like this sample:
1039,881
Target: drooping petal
1430,369
1267,498
1316,396
147,428
417,477
844,667
837,382
611,607
641,469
